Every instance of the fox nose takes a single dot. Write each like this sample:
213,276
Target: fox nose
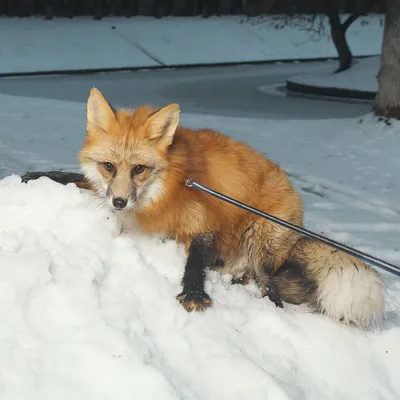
119,203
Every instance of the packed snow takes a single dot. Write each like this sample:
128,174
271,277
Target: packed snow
38,45
88,313
362,77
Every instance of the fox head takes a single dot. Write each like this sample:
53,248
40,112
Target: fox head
125,153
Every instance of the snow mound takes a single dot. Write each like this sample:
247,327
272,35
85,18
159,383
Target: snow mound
87,313
361,77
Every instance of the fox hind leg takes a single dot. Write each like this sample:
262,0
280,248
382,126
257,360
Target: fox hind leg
264,248
293,284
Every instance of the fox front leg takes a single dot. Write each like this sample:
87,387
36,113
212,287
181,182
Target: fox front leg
59,176
200,254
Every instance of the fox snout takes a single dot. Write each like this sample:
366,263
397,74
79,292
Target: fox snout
119,203
121,193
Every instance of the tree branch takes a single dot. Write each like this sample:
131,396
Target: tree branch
359,13
350,19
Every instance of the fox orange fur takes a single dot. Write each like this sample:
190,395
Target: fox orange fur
138,162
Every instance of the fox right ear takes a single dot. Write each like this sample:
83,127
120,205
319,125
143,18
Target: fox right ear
99,113
162,124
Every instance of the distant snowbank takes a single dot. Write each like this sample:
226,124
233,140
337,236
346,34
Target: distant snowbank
36,45
361,77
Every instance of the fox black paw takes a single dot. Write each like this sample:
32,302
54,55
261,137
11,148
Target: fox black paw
241,281
219,262
273,296
29,176
194,300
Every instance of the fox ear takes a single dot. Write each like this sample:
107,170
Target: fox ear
99,113
162,124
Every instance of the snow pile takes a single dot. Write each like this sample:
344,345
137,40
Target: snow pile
34,44
362,77
87,313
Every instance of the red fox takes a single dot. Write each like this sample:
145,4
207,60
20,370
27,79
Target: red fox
138,162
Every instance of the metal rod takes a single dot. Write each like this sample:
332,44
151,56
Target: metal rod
364,256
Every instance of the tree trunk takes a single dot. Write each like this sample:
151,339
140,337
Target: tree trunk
387,100
338,33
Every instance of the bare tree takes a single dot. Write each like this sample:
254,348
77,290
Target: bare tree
387,100
315,22
339,28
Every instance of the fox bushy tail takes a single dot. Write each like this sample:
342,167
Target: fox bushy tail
331,282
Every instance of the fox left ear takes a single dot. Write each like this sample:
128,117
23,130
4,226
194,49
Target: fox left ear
99,114
162,124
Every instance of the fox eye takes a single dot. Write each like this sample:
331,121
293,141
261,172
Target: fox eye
109,167
139,169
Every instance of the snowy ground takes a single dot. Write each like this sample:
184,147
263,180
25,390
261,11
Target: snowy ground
362,76
34,44
87,314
